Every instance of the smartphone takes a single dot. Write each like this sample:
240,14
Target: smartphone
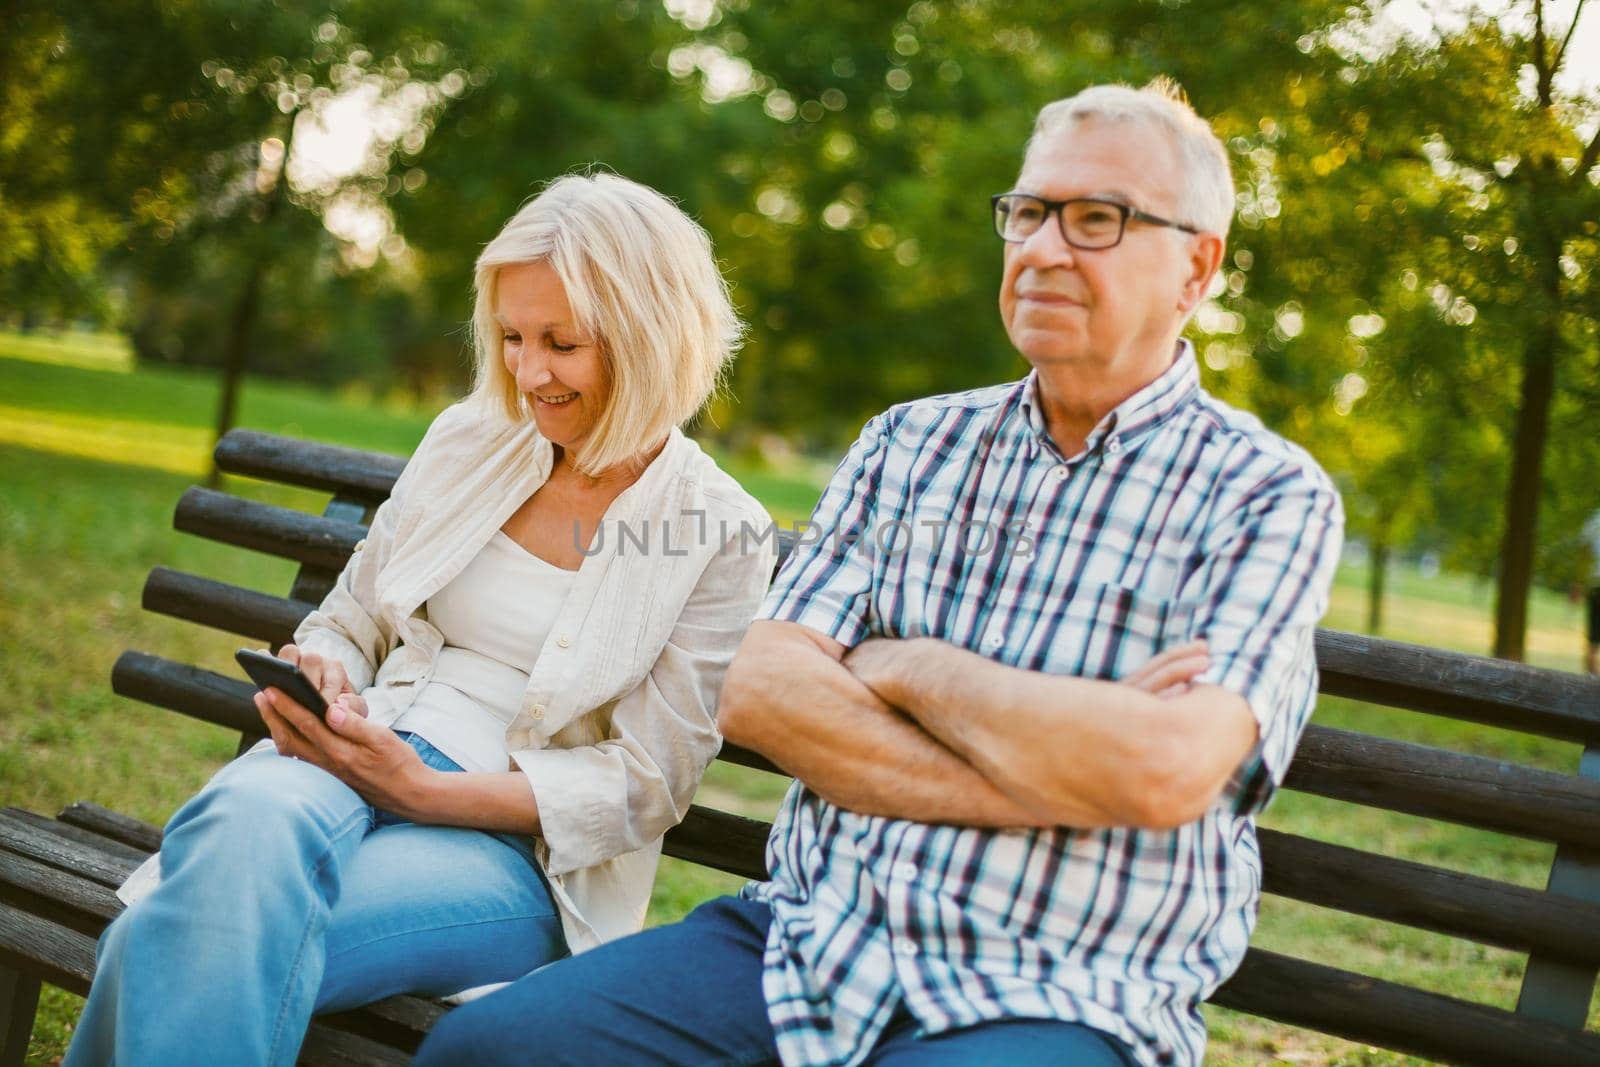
280,674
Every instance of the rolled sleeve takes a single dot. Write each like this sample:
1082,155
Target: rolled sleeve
827,580
599,801
1257,599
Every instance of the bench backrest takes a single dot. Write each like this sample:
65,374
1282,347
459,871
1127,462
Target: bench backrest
1558,927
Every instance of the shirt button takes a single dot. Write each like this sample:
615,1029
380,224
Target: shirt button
536,712
906,871
994,640
1113,446
906,947
562,642
1060,472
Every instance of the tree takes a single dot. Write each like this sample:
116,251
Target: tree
51,236
1492,195
180,122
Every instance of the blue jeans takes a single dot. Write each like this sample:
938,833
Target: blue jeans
690,993
283,893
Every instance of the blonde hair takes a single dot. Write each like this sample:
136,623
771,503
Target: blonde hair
1205,185
641,279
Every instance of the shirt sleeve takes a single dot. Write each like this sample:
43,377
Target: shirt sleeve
827,580
346,626
597,802
1257,598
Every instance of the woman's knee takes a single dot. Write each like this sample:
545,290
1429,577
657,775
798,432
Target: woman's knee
264,789
260,809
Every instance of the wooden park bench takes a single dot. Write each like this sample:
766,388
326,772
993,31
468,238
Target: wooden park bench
57,875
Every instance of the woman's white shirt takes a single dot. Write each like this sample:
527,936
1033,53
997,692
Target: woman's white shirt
494,616
617,721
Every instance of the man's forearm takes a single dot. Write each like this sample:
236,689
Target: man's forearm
788,697
1080,752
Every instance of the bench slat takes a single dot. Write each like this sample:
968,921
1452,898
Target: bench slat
1436,784
277,531
1432,898
1377,1012
193,691
1459,686
26,839
722,840
339,470
113,824
326,1047
37,946
54,894
744,757
398,1021
230,608
78,835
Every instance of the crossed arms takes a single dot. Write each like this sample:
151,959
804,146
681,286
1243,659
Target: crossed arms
920,729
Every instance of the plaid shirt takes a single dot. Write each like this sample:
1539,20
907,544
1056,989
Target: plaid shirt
957,518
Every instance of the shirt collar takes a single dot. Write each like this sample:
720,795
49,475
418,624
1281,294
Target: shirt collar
1134,417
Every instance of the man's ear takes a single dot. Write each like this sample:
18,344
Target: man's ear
1205,256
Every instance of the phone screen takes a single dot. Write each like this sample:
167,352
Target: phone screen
280,674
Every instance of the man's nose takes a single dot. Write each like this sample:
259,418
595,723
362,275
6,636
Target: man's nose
1047,246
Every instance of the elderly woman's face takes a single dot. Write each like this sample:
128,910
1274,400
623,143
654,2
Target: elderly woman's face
556,365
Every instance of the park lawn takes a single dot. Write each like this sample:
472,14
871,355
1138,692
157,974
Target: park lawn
96,456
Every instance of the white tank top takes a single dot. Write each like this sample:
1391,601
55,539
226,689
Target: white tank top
495,616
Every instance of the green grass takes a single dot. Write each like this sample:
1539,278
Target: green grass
97,454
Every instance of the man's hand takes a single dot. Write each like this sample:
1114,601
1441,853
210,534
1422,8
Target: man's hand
1169,674
788,697
877,663
1150,750
882,662
369,758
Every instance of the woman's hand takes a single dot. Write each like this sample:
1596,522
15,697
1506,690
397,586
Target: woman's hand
369,758
1169,674
327,675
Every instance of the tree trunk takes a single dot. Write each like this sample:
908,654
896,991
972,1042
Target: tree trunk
1375,582
249,303
1527,471
234,357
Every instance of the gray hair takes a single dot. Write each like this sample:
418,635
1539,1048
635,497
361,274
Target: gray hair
1205,197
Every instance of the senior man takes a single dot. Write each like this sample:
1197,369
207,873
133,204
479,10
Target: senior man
1022,829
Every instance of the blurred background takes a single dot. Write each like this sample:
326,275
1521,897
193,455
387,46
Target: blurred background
219,213
297,192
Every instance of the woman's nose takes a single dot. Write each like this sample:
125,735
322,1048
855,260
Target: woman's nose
533,370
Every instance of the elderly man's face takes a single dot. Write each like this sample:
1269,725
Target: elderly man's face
1111,309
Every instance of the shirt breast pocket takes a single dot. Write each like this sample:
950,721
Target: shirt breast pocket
1113,631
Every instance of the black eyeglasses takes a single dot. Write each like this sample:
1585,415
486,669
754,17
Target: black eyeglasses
1085,222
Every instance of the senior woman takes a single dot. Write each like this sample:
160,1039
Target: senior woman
522,661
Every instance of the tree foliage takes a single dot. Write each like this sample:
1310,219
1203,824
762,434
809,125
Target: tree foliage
1410,283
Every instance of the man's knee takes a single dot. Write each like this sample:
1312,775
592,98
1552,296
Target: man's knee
530,1021
689,992
471,1034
